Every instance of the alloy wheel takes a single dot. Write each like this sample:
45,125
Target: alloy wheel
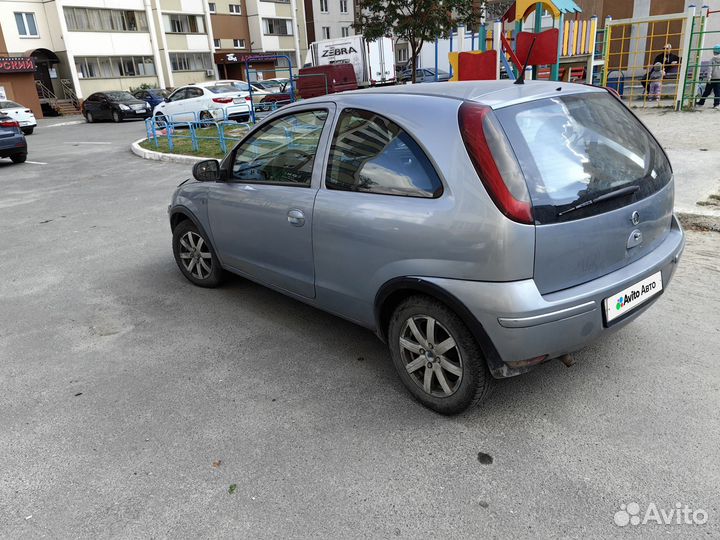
195,255
431,356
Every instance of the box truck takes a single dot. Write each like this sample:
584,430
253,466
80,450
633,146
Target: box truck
373,61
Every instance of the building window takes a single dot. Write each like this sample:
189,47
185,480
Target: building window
323,6
326,32
190,61
277,27
239,43
111,67
216,43
402,55
176,23
235,9
343,6
26,25
104,20
345,31
211,7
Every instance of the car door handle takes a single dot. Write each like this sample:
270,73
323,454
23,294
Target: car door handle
296,218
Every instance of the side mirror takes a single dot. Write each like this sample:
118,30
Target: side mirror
166,100
207,171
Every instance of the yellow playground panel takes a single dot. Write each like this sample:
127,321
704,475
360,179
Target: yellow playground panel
644,58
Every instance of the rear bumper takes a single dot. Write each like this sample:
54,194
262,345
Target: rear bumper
12,146
524,325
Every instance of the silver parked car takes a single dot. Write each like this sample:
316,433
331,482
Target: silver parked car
504,226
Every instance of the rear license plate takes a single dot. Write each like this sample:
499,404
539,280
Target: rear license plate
24,123
628,299
239,100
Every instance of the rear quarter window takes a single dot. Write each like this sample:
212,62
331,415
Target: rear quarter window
372,154
574,148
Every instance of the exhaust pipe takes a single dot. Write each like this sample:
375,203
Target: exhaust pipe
567,359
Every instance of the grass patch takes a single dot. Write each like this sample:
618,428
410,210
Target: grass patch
208,147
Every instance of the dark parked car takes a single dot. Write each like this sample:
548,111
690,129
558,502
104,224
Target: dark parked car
424,75
152,96
12,140
479,228
116,106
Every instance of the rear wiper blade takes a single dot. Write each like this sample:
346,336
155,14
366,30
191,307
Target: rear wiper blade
629,190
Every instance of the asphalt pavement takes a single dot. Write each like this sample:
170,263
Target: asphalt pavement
134,404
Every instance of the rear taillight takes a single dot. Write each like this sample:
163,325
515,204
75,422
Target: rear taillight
9,124
247,98
222,99
495,161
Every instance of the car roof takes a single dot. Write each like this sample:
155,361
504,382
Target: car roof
495,94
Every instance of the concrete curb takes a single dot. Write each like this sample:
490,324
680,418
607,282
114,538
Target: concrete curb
162,156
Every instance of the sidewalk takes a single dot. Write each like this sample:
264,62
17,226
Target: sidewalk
691,141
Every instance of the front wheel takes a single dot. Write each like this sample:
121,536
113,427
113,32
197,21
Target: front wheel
195,256
160,121
116,117
89,117
18,158
437,357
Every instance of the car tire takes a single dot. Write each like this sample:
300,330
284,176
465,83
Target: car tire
116,117
89,118
195,256
28,131
205,116
18,158
160,121
450,382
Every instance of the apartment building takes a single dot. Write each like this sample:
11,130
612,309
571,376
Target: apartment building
84,46
277,27
326,19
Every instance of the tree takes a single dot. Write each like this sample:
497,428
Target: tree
416,21
494,9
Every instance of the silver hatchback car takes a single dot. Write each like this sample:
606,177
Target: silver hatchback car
478,228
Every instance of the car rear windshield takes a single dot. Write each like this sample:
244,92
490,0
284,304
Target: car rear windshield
573,149
221,88
10,105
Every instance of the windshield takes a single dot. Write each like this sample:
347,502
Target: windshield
159,93
575,148
120,96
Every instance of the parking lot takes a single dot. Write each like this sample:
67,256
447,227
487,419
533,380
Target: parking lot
134,404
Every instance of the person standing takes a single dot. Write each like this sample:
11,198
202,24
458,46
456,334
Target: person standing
713,84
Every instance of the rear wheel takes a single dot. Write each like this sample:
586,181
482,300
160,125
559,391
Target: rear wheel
19,158
195,256
89,117
437,357
116,117
205,116
28,131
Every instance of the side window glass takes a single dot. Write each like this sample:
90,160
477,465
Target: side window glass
371,154
179,94
194,92
281,152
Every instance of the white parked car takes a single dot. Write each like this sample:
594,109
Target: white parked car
19,113
217,100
